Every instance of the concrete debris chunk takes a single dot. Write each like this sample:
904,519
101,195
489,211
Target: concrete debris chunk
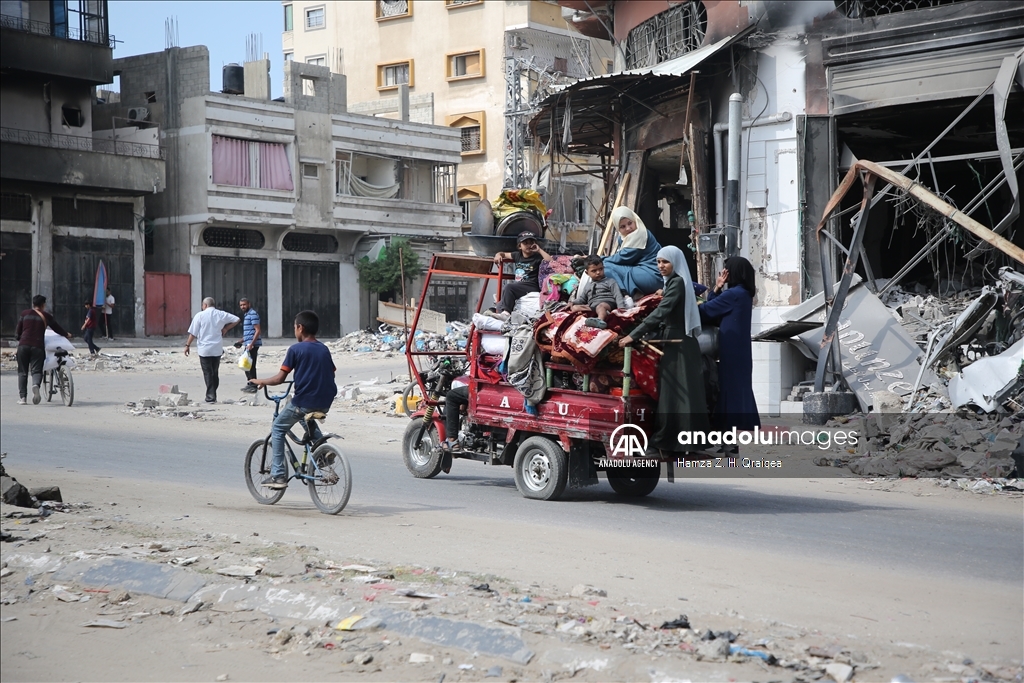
840,673
105,623
583,590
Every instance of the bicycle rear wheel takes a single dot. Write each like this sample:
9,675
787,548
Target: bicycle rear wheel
331,482
257,468
48,389
66,385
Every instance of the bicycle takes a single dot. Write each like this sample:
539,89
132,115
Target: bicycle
59,380
323,468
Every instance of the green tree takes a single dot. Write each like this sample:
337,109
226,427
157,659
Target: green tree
385,274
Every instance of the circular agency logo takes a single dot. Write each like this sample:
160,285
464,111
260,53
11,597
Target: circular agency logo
628,441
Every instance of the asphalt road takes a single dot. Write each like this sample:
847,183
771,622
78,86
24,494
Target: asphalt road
820,518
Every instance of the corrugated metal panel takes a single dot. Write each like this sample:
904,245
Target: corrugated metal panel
960,72
229,279
315,286
74,275
16,278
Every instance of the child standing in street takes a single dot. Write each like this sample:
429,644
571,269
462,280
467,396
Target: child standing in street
92,315
601,295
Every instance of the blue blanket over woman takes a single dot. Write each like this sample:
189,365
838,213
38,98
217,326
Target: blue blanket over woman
635,265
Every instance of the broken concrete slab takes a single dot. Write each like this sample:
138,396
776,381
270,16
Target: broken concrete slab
489,640
137,576
302,606
988,381
35,563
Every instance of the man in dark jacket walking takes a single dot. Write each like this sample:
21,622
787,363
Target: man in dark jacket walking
31,332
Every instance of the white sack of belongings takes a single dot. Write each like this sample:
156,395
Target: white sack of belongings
53,341
528,305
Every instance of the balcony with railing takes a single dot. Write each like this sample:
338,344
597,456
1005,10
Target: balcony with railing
72,40
417,194
92,30
82,143
126,166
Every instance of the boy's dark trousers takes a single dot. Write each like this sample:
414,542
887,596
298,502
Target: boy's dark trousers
513,291
88,334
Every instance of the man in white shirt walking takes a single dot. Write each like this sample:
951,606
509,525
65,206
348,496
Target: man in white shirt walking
108,311
207,330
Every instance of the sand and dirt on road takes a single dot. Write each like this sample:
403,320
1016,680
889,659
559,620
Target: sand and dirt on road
246,592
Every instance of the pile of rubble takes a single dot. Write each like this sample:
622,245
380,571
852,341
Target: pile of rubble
169,403
373,396
123,361
390,339
919,312
959,445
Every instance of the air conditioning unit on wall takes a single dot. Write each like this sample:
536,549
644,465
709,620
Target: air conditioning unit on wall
138,114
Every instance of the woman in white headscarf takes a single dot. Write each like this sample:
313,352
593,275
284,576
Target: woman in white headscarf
634,266
681,400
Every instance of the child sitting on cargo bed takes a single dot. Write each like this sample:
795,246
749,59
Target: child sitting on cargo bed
601,295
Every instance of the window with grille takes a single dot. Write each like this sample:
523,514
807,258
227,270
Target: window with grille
465,65
15,207
471,138
88,213
310,243
472,129
394,75
233,238
316,17
449,296
668,35
393,9
461,3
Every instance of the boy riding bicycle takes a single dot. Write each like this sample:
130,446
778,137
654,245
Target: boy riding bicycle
314,386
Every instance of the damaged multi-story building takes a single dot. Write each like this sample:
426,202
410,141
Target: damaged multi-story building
74,187
928,88
276,200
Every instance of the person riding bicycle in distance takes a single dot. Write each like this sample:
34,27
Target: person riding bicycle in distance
314,387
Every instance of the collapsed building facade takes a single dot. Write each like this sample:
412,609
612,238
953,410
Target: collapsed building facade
927,89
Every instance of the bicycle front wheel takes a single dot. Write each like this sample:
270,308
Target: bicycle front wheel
66,384
331,482
257,468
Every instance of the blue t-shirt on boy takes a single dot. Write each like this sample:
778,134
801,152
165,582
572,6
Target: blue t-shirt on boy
314,374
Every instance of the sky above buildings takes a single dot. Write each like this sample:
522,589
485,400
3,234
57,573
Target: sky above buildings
221,26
